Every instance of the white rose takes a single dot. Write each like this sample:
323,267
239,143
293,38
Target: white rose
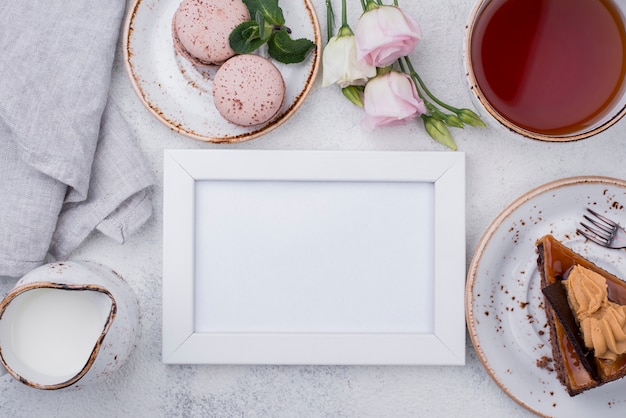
340,65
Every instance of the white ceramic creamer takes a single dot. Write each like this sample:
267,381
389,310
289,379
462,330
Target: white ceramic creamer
67,324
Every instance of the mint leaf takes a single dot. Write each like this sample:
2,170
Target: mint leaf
245,39
265,29
267,24
268,8
286,50
260,20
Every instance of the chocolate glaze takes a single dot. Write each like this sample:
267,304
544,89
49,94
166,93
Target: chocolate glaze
557,297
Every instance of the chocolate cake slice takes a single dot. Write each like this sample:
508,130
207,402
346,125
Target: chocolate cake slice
556,295
577,367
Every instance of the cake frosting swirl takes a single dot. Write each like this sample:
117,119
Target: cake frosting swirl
602,322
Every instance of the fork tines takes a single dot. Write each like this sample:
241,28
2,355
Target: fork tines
593,238
604,219
602,230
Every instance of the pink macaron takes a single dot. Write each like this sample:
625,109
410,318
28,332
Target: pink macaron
200,29
248,90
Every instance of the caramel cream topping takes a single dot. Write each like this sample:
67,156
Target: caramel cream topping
602,322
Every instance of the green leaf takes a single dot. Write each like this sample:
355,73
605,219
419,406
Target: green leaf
244,39
260,20
286,50
265,29
270,10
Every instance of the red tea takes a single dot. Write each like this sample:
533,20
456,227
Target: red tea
554,67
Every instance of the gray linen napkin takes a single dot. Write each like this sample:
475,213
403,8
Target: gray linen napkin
68,161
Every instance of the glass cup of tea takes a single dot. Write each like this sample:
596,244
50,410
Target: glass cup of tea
552,70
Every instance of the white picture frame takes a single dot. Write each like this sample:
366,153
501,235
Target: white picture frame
198,182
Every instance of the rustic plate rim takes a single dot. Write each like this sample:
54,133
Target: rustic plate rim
247,136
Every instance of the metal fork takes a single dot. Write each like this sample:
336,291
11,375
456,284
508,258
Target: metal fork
604,231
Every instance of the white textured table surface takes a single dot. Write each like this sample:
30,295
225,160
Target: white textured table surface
500,167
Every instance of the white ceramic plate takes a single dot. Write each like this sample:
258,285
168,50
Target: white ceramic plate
504,304
180,95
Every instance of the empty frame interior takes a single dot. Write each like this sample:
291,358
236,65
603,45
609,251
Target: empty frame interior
308,256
